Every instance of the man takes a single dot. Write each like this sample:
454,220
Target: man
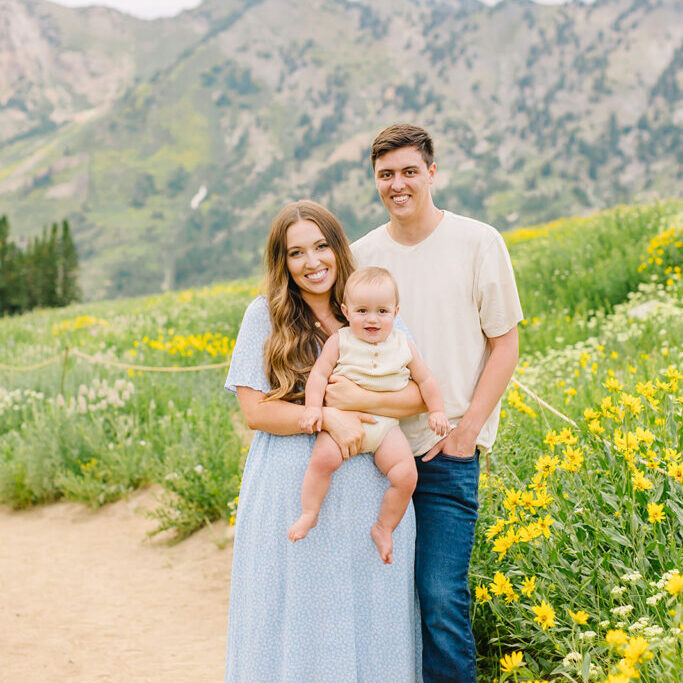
460,302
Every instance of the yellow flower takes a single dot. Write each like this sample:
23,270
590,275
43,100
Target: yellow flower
674,584
579,617
641,482
675,471
482,593
573,459
500,584
513,498
616,637
511,597
613,384
595,427
512,661
495,529
617,678
655,513
545,615
644,435
546,465
567,437
637,650
542,499
529,586
591,414
503,543
627,668
552,439
545,525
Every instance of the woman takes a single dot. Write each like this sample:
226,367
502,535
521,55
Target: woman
325,609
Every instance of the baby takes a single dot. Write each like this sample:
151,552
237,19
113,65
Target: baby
377,357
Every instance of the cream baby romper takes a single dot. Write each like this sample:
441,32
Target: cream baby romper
376,367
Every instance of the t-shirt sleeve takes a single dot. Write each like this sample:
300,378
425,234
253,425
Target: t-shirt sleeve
247,368
496,291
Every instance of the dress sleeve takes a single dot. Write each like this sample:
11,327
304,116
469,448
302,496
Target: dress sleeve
399,324
246,365
496,291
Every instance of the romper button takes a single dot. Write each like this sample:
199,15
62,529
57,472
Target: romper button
376,353
374,365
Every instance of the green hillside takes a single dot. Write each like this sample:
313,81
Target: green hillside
264,101
579,538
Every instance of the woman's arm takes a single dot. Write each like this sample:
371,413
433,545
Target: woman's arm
344,394
282,418
276,417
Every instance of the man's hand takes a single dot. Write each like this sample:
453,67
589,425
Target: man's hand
312,420
461,442
346,428
438,423
344,394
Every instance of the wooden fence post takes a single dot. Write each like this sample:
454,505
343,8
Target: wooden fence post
66,357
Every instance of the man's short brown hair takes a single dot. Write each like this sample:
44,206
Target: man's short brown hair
403,135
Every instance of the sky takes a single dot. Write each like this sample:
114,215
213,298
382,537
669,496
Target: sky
151,9
144,9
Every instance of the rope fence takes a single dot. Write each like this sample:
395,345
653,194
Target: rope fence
112,363
213,366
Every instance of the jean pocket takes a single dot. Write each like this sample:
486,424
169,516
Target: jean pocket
457,458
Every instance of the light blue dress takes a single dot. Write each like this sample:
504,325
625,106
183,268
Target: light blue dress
324,609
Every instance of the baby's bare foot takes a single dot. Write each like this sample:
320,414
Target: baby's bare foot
385,544
302,526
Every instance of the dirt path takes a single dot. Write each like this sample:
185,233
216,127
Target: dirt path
86,597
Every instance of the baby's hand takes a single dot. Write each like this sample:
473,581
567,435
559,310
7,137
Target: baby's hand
311,420
438,422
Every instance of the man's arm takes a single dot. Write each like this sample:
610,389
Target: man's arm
494,379
344,394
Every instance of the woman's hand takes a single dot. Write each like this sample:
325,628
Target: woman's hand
346,428
344,394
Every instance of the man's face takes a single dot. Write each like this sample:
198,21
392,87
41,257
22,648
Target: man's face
404,182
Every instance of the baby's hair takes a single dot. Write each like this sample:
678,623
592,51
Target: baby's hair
368,276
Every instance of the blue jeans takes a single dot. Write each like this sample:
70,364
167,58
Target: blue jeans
446,503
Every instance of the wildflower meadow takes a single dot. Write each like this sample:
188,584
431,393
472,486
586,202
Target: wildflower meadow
577,568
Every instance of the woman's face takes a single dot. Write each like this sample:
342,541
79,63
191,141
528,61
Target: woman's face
310,260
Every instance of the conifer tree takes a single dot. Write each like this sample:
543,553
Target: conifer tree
70,290
4,264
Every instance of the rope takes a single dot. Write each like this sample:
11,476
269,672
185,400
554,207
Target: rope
544,404
113,363
146,368
37,366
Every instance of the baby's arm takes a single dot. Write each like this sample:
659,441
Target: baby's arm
312,419
430,392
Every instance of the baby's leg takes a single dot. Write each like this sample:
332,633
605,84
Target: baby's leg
393,458
325,459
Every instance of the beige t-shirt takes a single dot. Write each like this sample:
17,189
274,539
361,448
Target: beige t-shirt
456,289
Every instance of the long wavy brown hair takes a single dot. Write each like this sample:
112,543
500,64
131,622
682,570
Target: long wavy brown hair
295,341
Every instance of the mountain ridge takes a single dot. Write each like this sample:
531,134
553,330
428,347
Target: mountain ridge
576,108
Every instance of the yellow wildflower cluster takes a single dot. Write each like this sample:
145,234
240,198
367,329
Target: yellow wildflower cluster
634,651
665,241
229,289
185,346
79,323
514,398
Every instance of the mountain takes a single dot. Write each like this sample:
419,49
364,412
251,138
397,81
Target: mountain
537,111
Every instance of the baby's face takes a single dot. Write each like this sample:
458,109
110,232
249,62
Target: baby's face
370,310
